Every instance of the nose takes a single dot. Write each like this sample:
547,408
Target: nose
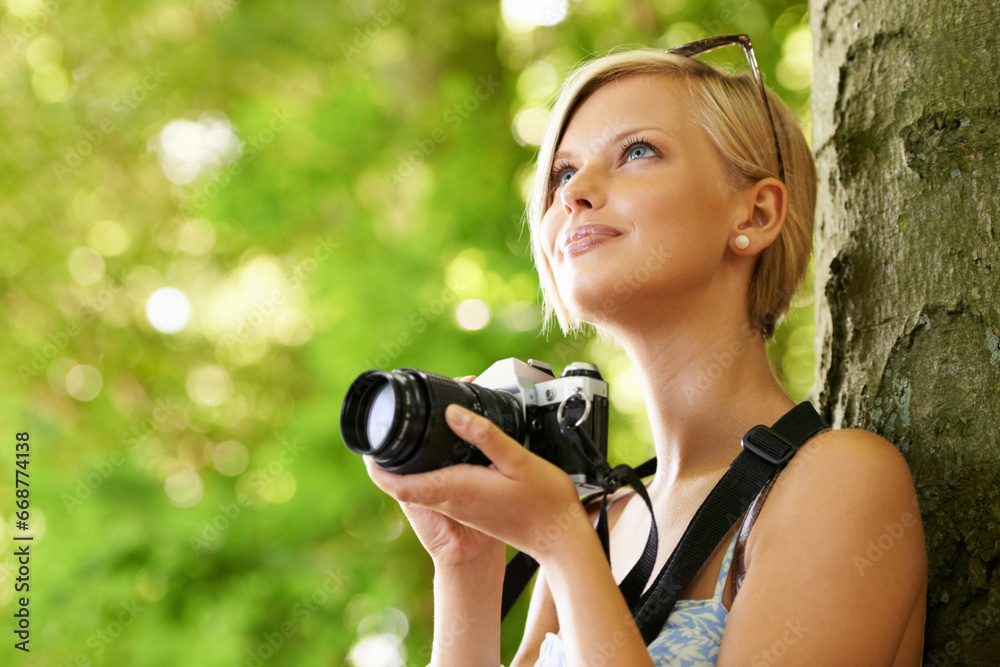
582,192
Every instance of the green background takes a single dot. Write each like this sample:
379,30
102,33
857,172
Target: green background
191,499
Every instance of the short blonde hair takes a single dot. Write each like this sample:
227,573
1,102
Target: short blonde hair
729,109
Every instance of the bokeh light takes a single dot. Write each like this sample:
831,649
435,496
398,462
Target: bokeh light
150,584
43,50
84,382
196,237
230,458
51,83
86,265
385,650
293,328
209,385
682,32
538,82
168,310
109,238
184,487
626,392
380,642
519,14
522,316
25,8
794,70
187,148
279,488
529,126
472,314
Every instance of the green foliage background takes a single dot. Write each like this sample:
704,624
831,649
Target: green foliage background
381,193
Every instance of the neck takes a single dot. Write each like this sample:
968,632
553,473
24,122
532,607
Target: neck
704,388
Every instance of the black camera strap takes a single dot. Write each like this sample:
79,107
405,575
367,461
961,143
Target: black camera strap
765,452
637,578
522,567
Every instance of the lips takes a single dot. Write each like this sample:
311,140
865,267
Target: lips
580,239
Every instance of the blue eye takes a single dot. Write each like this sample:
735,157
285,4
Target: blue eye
561,176
639,151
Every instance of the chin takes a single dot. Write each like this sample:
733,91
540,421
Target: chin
594,308
595,296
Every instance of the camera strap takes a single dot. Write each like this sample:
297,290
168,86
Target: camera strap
766,450
521,567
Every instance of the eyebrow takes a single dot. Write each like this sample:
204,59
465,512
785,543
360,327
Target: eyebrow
562,154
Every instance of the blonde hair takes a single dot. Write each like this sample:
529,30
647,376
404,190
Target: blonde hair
730,110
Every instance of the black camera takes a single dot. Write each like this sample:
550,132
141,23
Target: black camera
397,417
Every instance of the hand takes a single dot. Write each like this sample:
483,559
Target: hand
448,542
521,499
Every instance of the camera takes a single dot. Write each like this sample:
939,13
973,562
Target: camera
397,417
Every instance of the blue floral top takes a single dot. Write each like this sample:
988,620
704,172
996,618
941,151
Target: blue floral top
691,637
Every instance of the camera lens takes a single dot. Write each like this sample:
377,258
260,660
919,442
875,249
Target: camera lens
397,418
380,415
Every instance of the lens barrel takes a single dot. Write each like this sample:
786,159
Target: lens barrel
405,431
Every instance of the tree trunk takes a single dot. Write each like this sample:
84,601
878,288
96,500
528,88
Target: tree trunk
906,116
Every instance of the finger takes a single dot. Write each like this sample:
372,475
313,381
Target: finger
383,480
425,489
507,455
465,378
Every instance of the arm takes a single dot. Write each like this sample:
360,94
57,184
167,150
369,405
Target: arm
468,572
542,620
836,563
467,613
532,505
596,624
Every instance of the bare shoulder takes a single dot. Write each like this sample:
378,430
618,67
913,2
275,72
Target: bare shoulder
854,480
852,467
851,447
838,550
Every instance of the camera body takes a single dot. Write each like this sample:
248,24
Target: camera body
540,394
397,417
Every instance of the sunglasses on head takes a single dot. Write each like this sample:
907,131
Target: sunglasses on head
705,45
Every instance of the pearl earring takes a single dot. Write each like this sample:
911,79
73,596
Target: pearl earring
742,242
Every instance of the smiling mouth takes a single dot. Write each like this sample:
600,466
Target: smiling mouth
583,238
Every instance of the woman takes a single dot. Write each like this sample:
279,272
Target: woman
674,215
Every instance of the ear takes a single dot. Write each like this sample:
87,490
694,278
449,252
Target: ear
766,207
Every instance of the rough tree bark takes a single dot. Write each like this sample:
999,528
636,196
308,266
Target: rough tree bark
906,113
